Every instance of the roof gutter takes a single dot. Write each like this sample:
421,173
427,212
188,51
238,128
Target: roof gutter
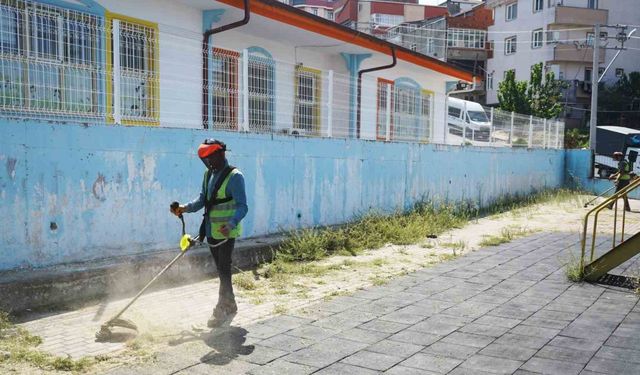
359,95
205,58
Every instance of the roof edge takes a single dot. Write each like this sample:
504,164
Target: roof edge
298,18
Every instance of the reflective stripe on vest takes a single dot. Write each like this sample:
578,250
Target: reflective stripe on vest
223,212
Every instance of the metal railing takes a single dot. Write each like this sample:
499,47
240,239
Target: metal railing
610,201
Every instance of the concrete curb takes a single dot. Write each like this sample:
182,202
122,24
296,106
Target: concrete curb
73,284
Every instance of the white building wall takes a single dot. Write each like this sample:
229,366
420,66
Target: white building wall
180,38
180,62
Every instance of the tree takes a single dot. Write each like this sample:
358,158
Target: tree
544,95
512,94
540,96
619,103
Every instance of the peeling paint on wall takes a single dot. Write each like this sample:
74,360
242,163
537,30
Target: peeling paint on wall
104,191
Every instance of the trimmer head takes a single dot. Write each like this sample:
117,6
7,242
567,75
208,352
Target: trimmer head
105,333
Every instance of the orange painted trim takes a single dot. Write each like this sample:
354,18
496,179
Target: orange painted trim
306,21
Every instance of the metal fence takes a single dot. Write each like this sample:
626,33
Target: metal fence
63,65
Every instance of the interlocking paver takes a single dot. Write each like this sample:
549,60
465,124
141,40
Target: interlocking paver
552,367
507,309
491,364
395,348
515,352
371,360
427,362
609,366
450,350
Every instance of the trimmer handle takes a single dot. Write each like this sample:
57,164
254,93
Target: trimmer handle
174,206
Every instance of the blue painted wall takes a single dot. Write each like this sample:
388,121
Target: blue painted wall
578,164
74,193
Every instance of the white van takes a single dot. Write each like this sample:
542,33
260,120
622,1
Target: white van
463,114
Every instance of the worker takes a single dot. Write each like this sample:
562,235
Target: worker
225,205
622,177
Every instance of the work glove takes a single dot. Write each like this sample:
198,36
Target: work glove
177,209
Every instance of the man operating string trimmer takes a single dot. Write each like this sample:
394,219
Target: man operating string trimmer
225,205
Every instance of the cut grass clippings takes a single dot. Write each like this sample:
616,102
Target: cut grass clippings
17,345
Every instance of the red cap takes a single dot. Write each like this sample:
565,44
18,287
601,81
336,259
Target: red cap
207,149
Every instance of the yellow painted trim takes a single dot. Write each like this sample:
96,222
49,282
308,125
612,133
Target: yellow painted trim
155,91
425,92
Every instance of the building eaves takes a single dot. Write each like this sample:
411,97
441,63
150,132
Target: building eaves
283,13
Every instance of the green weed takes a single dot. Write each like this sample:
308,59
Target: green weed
506,235
573,270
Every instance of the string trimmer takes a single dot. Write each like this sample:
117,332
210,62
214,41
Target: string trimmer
186,242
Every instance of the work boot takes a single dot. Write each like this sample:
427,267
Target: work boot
223,314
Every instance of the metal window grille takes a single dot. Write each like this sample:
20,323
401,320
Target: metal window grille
224,89
137,72
307,101
261,94
384,89
427,115
406,115
48,60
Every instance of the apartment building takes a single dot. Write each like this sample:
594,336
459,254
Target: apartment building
321,8
560,34
375,17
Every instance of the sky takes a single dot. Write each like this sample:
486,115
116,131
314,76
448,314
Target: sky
430,2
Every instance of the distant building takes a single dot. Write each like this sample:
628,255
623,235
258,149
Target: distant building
559,33
321,8
377,16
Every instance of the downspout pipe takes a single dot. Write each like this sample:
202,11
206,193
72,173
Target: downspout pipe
205,58
359,93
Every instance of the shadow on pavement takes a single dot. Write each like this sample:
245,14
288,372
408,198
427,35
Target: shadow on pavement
227,343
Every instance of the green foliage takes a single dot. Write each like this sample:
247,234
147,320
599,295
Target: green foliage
619,103
541,96
512,94
576,138
506,235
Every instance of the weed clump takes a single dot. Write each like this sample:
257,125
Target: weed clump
506,235
370,231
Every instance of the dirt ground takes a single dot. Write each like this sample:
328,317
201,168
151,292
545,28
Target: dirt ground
260,297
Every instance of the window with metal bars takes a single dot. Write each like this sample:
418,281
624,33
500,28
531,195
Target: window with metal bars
49,60
224,89
261,93
384,109
133,69
308,89
406,115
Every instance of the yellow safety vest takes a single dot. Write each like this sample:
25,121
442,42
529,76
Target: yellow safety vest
223,209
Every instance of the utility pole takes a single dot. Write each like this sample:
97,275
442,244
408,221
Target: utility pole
621,37
594,89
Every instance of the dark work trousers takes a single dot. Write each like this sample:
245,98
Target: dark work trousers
619,186
222,257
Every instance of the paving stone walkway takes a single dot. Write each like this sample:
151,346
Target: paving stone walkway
502,310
